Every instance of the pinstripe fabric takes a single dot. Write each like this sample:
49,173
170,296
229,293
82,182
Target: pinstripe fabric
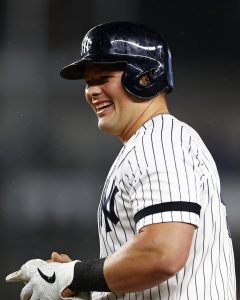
165,173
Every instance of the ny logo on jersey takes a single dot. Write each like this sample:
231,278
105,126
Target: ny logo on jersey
110,214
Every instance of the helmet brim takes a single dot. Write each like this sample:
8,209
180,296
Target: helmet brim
76,69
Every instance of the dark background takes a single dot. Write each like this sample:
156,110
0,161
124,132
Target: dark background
53,159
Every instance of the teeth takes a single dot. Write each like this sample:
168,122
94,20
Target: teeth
103,104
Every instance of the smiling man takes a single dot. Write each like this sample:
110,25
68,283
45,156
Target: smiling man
162,222
119,113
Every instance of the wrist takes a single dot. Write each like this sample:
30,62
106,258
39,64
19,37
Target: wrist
89,276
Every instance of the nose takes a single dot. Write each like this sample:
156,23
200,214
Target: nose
93,91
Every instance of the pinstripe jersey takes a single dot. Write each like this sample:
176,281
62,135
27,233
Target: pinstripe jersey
165,173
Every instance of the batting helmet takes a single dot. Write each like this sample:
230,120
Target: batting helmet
142,50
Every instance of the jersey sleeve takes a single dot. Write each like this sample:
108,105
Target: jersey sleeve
165,181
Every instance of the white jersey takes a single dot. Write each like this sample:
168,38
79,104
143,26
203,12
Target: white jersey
165,173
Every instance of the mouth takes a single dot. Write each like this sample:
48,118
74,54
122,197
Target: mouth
103,106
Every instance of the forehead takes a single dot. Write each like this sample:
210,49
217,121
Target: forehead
98,69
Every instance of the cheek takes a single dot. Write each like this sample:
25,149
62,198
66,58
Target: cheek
87,96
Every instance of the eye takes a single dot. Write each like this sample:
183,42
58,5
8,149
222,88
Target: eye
98,81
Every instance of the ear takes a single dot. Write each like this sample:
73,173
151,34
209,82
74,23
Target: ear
145,80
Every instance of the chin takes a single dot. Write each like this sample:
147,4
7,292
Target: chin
103,126
106,127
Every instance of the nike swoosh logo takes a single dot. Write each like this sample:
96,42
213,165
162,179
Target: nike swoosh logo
49,279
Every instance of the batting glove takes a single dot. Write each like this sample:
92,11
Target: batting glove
46,281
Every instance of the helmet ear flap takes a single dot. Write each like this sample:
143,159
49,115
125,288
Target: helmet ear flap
149,77
130,80
144,85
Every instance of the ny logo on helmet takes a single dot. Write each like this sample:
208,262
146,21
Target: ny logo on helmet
86,43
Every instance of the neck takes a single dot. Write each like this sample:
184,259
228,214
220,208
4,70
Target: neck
156,106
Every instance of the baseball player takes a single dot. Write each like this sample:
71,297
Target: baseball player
162,221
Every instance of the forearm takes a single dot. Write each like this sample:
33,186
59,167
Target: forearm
127,270
155,254
136,267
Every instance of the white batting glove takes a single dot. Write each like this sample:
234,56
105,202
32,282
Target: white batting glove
46,281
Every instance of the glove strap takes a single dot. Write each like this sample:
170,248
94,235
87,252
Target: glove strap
88,276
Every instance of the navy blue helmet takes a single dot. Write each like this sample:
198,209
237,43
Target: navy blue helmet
139,48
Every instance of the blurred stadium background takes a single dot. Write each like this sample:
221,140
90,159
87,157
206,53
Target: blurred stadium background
53,159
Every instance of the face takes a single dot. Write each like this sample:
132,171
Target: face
116,109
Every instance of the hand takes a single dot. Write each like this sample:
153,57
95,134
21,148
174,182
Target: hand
61,258
46,281
26,271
